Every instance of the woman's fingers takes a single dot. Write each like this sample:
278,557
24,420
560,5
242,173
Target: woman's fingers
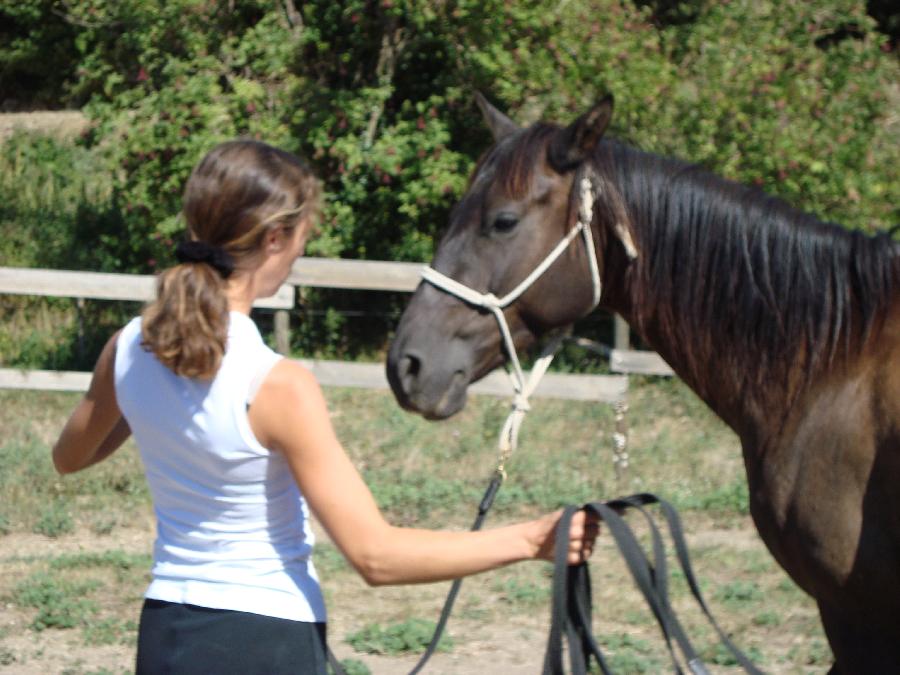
582,535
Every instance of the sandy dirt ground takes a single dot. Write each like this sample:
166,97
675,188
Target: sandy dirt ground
490,635
514,645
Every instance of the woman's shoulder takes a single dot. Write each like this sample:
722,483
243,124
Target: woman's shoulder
289,398
290,377
290,386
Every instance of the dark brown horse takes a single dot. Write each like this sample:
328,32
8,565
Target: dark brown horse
786,326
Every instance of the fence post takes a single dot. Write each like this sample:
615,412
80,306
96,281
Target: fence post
79,313
622,339
282,331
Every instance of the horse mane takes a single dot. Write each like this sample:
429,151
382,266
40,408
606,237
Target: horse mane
738,278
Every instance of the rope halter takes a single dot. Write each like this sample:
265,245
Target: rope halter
524,387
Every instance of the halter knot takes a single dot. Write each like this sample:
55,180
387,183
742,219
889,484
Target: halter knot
586,210
520,403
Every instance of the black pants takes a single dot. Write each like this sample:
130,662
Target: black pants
176,639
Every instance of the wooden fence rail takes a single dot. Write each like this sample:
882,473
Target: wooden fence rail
372,275
102,286
600,388
405,277
315,272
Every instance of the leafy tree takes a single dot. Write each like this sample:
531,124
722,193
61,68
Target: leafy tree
782,96
798,97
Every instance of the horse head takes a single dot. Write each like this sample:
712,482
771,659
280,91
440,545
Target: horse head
521,202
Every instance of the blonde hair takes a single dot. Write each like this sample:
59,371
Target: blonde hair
238,192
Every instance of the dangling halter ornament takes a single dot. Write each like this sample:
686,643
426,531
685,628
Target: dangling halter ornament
524,387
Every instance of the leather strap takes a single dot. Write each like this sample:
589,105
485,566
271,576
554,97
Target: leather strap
571,602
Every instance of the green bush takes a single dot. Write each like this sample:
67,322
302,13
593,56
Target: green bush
57,205
379,96
797,97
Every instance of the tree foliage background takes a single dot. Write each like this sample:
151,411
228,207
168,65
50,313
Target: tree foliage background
801,98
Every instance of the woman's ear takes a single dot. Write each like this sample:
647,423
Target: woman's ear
274,241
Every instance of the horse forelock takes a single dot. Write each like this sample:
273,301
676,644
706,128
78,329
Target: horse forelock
511,163
732,275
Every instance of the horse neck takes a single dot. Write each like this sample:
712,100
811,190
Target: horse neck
749,300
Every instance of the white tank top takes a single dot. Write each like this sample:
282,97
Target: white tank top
232,527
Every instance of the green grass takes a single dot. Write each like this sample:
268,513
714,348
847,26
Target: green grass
109,631
523,592
628,654
420,472
411,636
74,591
767,618
354,667
33,498
54,520
46,185
119,562
740,592
60,603
432,475
329,560
58,210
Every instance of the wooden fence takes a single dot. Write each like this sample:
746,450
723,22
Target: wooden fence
316,272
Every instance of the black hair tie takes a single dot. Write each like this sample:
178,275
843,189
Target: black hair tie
203,252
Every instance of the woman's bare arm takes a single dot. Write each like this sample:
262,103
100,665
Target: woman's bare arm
289,414
96,427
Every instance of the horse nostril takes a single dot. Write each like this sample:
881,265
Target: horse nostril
410,365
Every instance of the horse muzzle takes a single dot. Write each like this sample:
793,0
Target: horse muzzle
429,380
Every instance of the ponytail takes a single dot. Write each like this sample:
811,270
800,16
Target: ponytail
187,325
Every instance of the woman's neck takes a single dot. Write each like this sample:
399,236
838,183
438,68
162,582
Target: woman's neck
241,293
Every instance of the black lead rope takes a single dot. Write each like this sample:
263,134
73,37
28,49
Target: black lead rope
571,610
571,615
487,501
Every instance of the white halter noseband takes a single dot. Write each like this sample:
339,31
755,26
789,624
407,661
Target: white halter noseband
525,387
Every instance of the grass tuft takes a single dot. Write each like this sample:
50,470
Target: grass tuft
55,520
407,637
60,602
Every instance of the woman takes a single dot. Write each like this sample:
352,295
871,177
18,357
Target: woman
237,445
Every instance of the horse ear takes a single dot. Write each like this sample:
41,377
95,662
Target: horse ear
499,124
578,140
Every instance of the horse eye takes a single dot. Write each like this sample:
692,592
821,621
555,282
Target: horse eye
505,222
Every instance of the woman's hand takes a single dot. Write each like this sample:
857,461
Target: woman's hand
582,535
